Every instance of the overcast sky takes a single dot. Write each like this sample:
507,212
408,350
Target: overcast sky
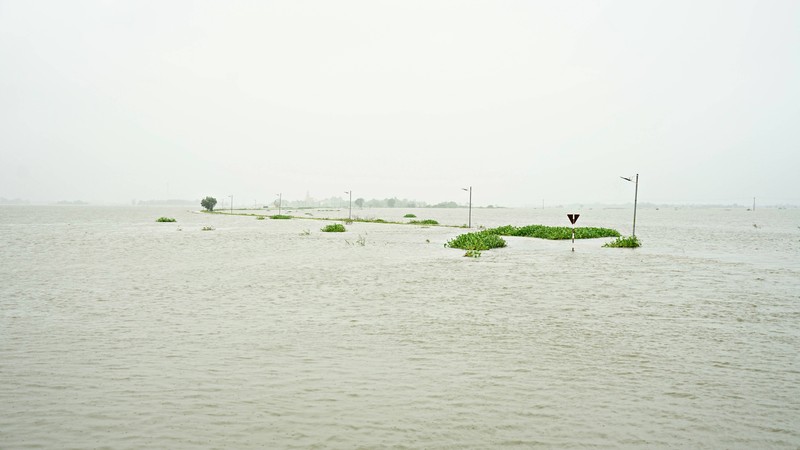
109,101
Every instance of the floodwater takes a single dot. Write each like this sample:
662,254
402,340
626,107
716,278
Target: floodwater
119,332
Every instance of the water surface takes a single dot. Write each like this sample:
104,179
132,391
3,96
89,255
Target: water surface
119,332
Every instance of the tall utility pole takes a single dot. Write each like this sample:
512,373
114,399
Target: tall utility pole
280,202
469,223
635,199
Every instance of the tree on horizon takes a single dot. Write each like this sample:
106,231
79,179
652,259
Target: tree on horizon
208,203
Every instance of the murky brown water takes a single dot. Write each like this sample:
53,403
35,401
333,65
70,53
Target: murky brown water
119,332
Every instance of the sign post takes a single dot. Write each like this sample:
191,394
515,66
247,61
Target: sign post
572,219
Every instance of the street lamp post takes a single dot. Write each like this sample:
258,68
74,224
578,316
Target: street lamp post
635,200
231,196
469,223
350,208
280,202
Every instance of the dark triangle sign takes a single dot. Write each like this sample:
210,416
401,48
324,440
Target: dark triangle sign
573,218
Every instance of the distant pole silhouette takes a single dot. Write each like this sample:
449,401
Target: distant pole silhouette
635,200
469,222
350,208
231,196
280,202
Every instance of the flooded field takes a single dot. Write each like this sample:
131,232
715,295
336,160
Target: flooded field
120,332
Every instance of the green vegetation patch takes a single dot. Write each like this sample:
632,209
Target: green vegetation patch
280,216
624,242
358,219
424,222
410,216
260,217
165,219
477,241
334,228
554,233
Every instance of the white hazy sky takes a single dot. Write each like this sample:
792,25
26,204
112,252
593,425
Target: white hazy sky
108,101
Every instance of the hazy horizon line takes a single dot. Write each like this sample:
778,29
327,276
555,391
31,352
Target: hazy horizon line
423,204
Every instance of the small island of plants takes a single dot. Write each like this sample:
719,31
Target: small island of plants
476,242
410,216
334,228
165,219
624,242
554,233
280,217
424,222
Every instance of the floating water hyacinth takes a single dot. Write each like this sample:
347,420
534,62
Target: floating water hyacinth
334,228
624,242
554,233
479,240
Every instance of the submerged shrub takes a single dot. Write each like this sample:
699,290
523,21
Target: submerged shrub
358,219
362,241
280,216
165,219
259,217
410,216
334,228
624,242
424,222
477,241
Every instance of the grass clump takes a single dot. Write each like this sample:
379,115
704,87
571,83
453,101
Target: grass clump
207,229
260,217
362,241
165,219
368,220
280,216
554,233
410,216
424,222
476,242
334,228
624,242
